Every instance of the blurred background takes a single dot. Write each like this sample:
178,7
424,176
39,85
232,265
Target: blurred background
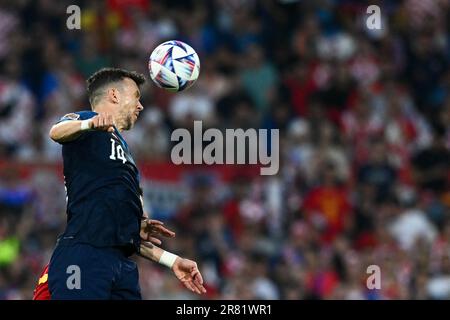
364,120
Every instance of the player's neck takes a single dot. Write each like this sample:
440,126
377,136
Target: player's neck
120,122
105,107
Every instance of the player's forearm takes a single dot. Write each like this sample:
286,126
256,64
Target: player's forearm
156,254
68,130
151,252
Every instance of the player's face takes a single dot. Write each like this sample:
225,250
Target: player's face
130,106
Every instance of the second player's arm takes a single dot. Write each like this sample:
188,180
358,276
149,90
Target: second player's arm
151,228
70,130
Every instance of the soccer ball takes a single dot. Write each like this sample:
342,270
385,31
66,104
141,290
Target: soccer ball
174,66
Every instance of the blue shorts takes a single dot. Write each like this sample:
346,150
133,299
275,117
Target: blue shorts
80,272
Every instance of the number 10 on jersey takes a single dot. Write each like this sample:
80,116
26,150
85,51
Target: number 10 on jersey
117,151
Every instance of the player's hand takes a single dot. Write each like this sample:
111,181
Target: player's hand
103,122
187,272
151,228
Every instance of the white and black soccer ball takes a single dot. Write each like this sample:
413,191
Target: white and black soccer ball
174,66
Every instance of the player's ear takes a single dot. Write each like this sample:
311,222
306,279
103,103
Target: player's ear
113,95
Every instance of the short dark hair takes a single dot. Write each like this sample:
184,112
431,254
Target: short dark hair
106,76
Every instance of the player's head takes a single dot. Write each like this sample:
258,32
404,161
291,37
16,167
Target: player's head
118,89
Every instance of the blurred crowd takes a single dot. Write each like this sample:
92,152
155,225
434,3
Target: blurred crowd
364,120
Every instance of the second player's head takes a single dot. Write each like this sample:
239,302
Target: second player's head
116,91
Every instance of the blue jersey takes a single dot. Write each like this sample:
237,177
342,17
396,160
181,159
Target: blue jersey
103,190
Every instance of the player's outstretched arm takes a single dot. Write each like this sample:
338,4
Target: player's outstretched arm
70,130
150,229
184,269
